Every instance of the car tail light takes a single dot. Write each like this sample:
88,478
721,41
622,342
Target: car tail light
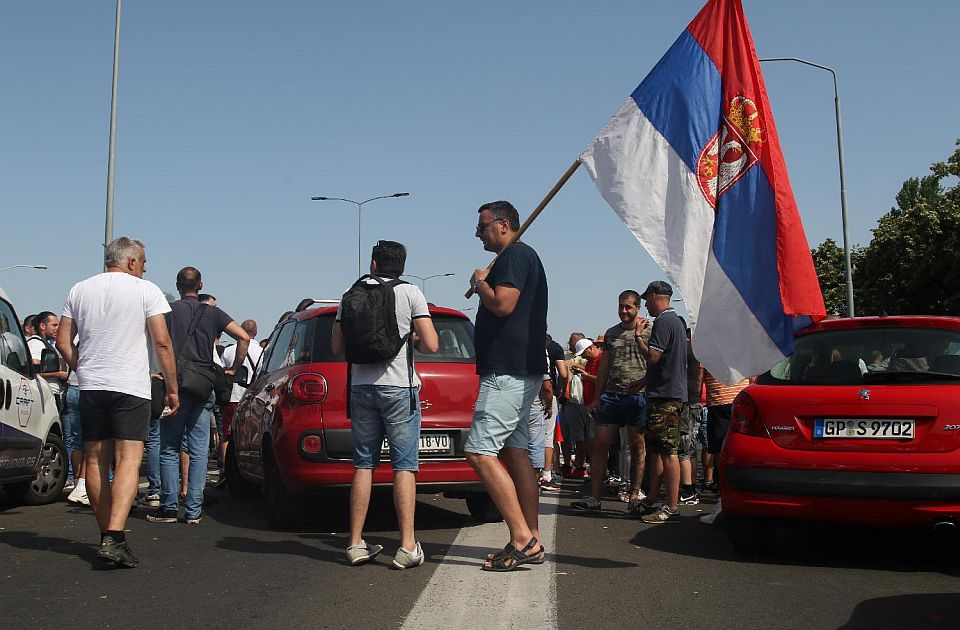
311,444
309,388
746,418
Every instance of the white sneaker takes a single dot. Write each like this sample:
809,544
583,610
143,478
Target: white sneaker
708,519
408,559
79,496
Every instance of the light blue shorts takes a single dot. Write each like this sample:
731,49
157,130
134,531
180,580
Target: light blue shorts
501,417
537,438
378,411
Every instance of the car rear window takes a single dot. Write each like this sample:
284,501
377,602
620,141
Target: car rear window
870,355
455,335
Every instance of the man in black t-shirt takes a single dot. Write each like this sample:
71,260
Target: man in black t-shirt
666,355
191,421
509,337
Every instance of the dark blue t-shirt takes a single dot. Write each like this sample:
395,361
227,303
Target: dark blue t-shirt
212,323
667,378
514,344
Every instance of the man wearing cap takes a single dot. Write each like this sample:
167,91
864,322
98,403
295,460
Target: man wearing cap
579,418
621,376
666,356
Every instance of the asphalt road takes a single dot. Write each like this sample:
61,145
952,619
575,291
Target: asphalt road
605,571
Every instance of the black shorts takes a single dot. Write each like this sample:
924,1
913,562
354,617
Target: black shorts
718,423
106,415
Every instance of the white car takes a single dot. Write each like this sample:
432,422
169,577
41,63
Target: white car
33,458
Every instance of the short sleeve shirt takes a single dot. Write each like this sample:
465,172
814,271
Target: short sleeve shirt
111,311
410,305
554,354
667,378
514,344
627,363
36,345
212,323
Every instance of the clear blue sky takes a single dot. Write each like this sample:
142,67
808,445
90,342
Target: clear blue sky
232,114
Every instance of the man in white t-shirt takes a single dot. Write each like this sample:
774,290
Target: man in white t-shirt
384,403
112,315
45,327
228,409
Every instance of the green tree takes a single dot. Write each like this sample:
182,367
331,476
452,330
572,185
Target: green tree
828,261
912,264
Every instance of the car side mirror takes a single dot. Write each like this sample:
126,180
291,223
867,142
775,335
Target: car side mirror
49,361
242,377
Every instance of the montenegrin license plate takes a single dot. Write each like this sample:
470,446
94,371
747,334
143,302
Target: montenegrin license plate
429,443
864,428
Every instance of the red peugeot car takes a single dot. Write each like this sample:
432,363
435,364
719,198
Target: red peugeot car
291,434
860,425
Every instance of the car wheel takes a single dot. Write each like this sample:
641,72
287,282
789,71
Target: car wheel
482,508
238,486
284,509
51,476
751,535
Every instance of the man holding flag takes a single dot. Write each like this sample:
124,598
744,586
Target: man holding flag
692,164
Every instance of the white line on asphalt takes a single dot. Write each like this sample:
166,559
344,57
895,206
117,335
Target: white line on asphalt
460,595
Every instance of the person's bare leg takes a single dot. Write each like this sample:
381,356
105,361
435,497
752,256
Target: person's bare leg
359,502
601,444
76,460
548,458
671,479
500,486
184,472
99,455
405,503
707,467
686,472
654,473
638,456
128,455
528,493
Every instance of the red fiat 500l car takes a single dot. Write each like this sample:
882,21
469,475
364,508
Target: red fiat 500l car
291,434
861,425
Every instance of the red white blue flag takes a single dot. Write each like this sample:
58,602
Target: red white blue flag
692,164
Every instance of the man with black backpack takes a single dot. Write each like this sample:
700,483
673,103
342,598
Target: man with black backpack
194,326
379,322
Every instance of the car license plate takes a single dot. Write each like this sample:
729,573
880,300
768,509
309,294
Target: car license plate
864,428
429,443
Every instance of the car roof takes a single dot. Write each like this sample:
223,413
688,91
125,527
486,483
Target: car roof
318,311
883,321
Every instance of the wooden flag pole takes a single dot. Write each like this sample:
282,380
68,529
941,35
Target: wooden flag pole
533,215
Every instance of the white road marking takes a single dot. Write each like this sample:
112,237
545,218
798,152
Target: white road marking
460,595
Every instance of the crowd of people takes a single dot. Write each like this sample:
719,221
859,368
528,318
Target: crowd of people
632,410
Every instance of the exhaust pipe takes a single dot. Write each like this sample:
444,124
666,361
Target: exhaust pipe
945,526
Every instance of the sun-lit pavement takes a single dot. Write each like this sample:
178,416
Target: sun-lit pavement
602,572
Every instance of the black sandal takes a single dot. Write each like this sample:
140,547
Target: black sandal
537,558
510,553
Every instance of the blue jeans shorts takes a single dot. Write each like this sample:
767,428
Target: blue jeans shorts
622,410
501,417
378,411
538,437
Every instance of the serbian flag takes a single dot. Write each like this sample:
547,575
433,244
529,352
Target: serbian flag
692,164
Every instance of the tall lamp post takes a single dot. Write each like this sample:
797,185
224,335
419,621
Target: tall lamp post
112,151
359,205
843,185
423,280
25,266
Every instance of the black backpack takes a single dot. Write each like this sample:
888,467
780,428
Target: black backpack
368,318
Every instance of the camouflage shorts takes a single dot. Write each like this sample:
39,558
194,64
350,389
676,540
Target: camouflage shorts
689,424
663,426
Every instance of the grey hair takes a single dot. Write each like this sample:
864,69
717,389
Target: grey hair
120,250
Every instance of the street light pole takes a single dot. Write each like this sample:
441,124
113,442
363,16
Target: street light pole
423,280
112,151
359,205
843,186
25,266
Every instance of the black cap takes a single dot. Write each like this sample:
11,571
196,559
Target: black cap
657,287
